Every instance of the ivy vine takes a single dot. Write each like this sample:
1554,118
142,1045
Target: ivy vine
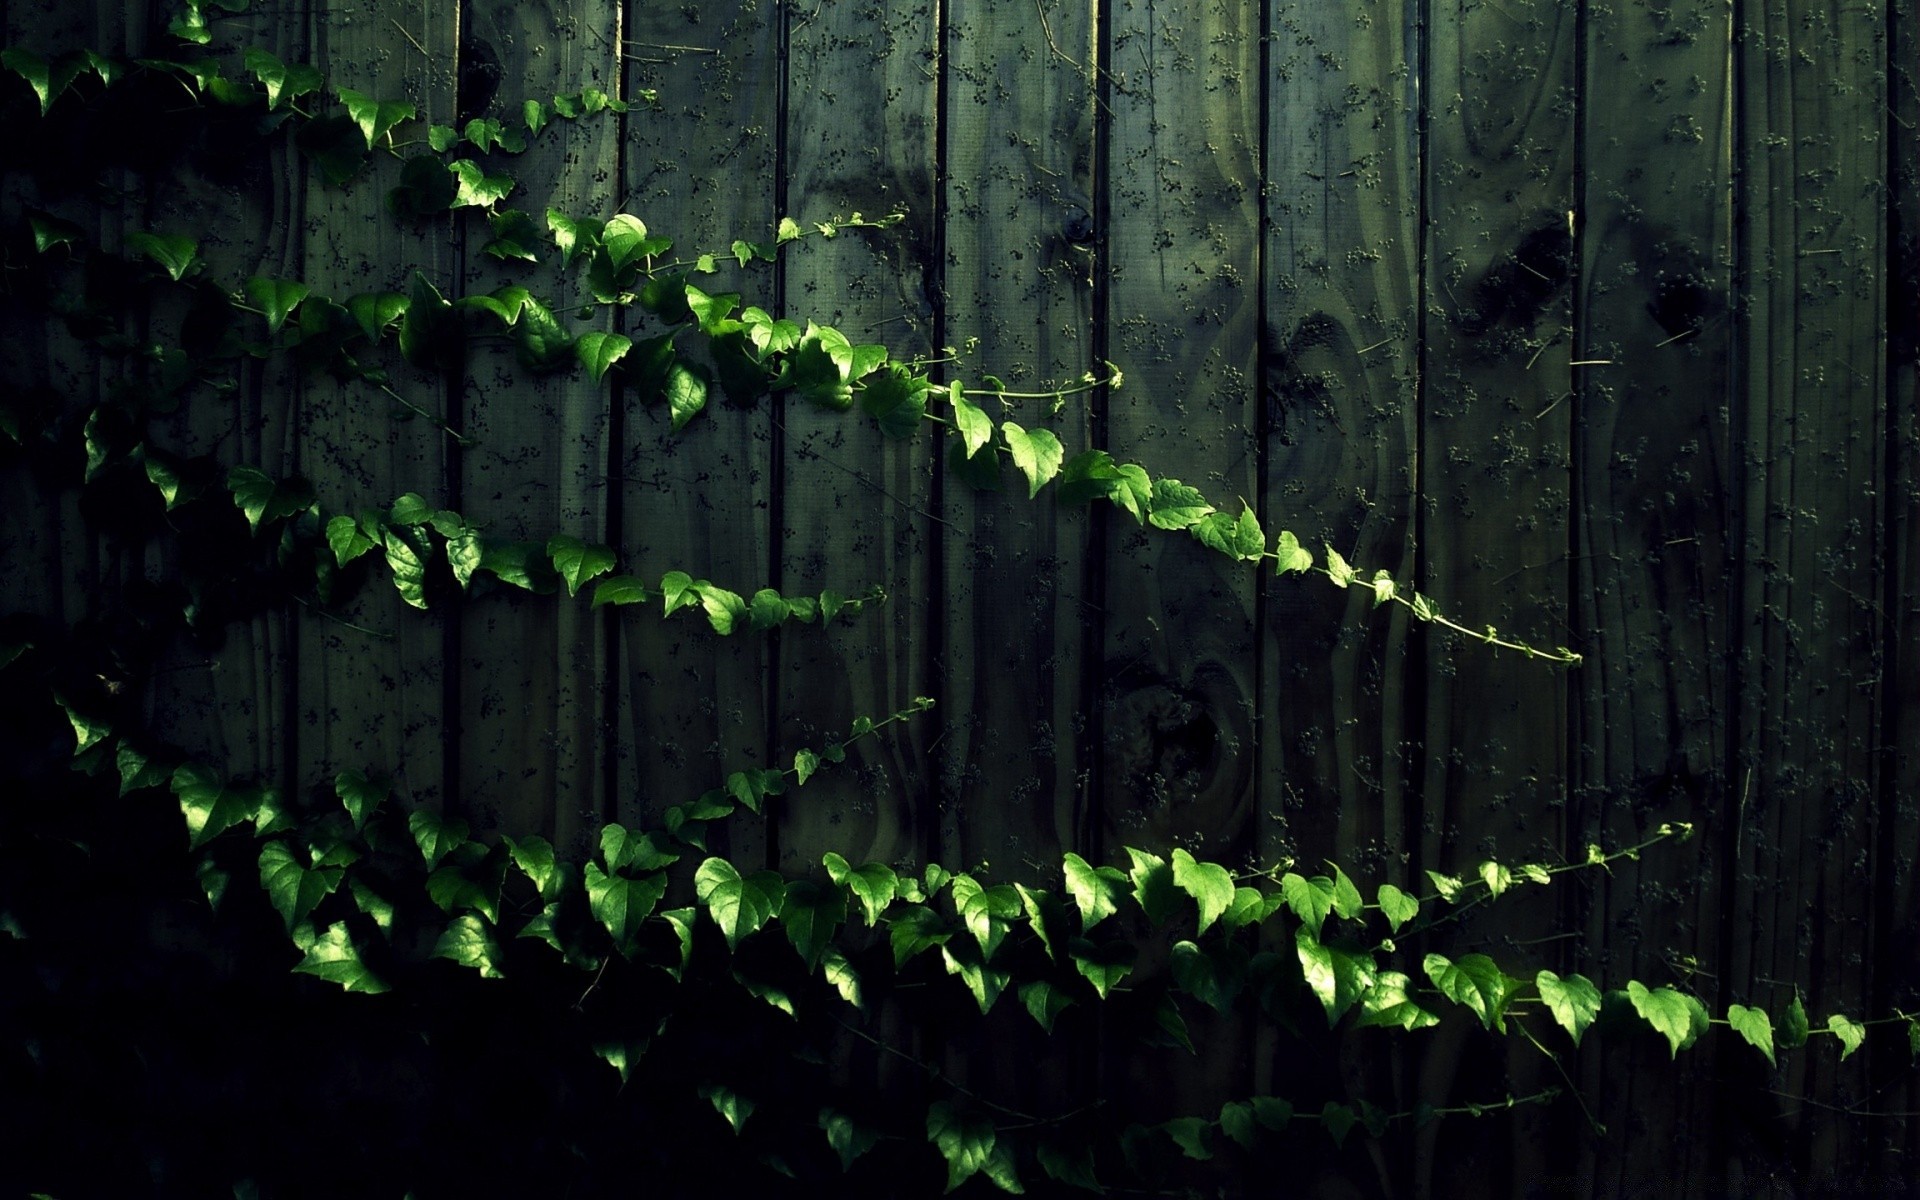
370,889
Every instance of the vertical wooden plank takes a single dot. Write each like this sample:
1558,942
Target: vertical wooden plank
532,667
852,509
1814,133
375,702
229,704
1494,475
1019,178
1183,313
1338,722
1898,829
703,169
1653,472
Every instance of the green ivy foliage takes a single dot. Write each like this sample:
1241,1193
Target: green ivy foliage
693,990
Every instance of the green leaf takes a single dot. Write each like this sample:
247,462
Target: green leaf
292,887
263,498
87,732
1096,891
571,236
623,850
626,241
1250,907
1045,913
1194,1136
577,562
514,234
915,931
1037,454
1850,1032
374,117
1338,978
1666,1010
1389,1004
1174,505
534,856
681,920
897,400
1447,885
1044,1002
598,351
1289,556
964,958
138,771
849,1138
1338,570
1347,903
1338,1120
209,805
435,835
282,81
976,428
1397,907
1794,1028
1152,885
540,343
710,310
820,368
471,942
375,311
1476,982
967,1143
726,611
276,298
1310,899
873,884
406,553
1210,885
620,589
1103,966
621,904
837,971
477,189
810,913
1213,975
1573,1001
687,388
738,904
1239,538
1755,1026
177,254
334,958
728,1103
1497,878
34,69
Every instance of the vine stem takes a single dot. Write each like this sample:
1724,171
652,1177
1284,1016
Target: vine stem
935,1073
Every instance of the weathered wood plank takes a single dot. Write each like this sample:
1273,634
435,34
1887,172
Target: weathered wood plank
1338,723
367,702
1813,425
852,508
1183,308
1897,911
1494,485
1653,469
702,167
1019,177
532,668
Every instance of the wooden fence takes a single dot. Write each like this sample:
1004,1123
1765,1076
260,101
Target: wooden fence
1598,321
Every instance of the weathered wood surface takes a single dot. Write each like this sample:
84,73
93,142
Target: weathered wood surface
1592,322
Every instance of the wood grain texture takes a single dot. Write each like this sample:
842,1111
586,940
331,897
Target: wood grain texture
532,668
1813,412
1019,184
702,167
1653,476
1183,306
1494,483
853,507
1338,724
370,703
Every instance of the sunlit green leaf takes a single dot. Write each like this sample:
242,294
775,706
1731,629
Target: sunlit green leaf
620,904
1210,885
873,884
1104,966
577,562
1850,1032
263,498
1289,555
334,958
374,117
471,942
738,904
1310,899
1036,453
1389,1004
1574,1001
1665,1009
728,1103
209,805
276,298
1174,505
1338,978
1755,1026
1096,891
965,1141
1475,981
810,913
976,428
849,1138
292,886
1397,906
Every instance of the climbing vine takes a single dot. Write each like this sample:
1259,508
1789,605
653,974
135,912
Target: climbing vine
677,973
